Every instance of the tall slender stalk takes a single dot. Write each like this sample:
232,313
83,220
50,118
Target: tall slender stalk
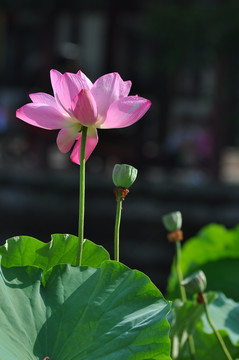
218,336
179,271
117,226
183,295
81,198
123,177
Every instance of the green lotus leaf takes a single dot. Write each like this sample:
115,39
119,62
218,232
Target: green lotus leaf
207,347
224,313
190,318
106,313
26,250
183,318
215,250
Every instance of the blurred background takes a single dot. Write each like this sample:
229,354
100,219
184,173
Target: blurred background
184,57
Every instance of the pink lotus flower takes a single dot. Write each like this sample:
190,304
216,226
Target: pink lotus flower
77,102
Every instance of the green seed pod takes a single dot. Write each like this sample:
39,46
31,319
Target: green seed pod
124,175
195,283
172,221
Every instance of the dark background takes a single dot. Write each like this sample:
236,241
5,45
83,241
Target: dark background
184,57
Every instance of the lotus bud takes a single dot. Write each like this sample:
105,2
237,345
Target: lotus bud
124,175
172,221
195,283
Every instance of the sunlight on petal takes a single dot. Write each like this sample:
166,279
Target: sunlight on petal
125,112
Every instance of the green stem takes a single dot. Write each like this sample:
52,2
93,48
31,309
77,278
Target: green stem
117,226
218,336
183,295
191,347
179,271
81,198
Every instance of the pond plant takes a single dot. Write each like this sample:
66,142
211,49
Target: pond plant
210,319
67,300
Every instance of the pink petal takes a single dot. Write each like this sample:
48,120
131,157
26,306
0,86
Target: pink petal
55,76
125,88
91,142
125,112
84,108
43,116
107,89
88,83
42,98
66,138
68,86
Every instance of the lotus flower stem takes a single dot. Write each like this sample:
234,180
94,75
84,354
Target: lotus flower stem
123,177
173,223
117,225
179,271
183,294
218,336
81,197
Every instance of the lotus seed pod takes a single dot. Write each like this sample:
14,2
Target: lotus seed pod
195,283
124,175
172,221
